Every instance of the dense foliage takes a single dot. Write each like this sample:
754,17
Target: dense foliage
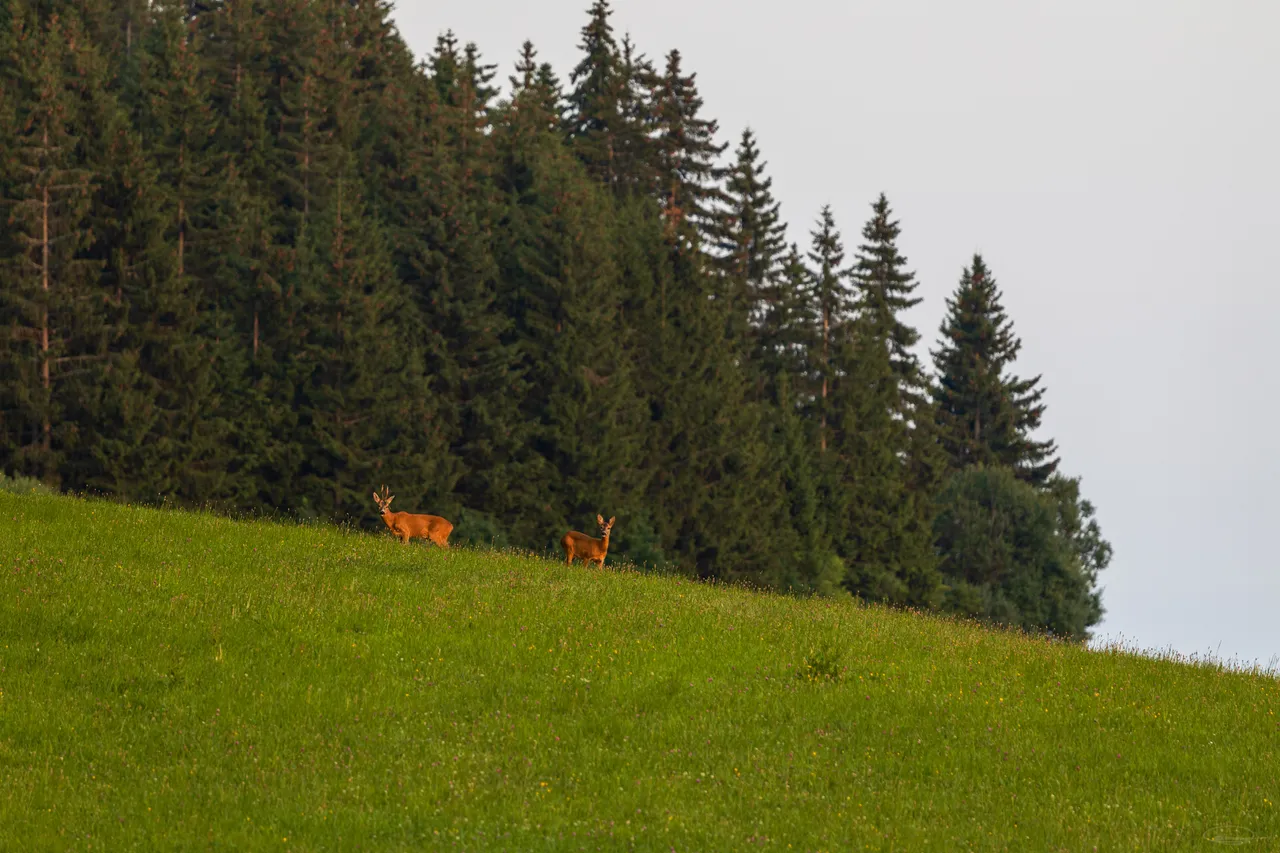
257,257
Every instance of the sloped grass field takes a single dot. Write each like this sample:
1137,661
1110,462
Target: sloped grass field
180,681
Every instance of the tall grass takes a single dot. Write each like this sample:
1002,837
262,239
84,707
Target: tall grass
180,681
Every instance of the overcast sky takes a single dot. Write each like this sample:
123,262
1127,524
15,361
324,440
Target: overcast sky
1116,162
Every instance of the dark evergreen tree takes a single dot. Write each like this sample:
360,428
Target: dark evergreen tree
1012,553
54,313
686,153
561,291
831,300
985,416
362,394
454,275
750,244
178,444
239,264
787,332
810,565
606,121
886,290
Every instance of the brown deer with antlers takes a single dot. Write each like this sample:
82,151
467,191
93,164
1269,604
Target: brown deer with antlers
406,525
585,548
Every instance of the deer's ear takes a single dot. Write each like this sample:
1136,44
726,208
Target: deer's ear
375,497
599,518
611,518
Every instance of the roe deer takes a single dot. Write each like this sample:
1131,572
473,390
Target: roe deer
585,548
406,525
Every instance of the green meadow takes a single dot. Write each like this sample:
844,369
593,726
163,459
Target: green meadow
179,681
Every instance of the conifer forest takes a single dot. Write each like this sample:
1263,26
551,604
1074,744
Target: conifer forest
257,257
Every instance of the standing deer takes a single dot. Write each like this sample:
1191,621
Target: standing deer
406,525
585,548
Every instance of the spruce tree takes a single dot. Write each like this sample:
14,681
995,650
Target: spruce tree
885,291
178,439
787,332
986,416
236,262
560,287
452,272
716,475
687,176
831,300
607,116
54,312
362,395
750,244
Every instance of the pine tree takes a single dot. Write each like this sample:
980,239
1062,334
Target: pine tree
451,270
687,177
831,299
859,467
985,416
787,332
51,303
885,292
750,243
362,393
635,152
811,565
561,290
715,476
607,117
178,439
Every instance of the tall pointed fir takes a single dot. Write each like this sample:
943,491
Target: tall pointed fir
561,290
750,244
831,300
787,332
605,121
136,428
885,291
238,263
364,406
176,348
986,416
688,178
54,314
717,486
454,276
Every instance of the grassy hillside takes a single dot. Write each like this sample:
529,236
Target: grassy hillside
178,681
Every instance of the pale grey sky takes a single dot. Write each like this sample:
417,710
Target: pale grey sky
1117,163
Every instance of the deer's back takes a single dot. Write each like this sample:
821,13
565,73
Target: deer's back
419,525
581,543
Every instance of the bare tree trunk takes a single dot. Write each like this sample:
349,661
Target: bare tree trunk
44,314
182,233
826,330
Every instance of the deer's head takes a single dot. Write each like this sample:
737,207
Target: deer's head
384,500
605,527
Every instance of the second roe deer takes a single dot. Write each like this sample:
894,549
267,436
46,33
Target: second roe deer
407,525
585,548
